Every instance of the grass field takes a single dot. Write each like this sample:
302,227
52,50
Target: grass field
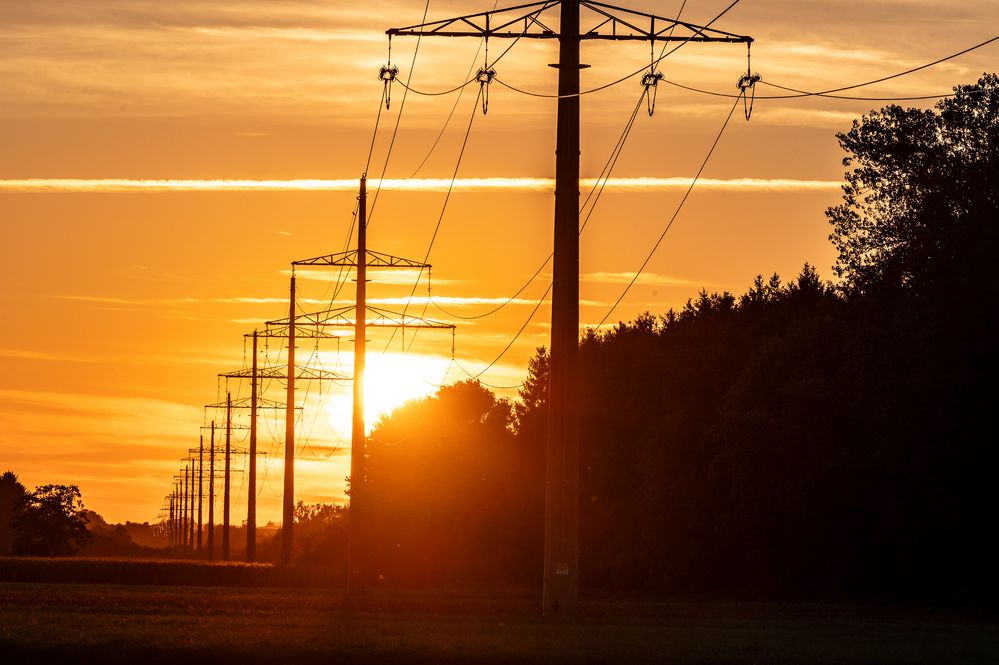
76,623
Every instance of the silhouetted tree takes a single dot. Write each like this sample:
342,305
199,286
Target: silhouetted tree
51,521
11,494
449,487
922,197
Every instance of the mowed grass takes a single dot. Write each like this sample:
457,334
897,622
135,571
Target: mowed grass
42,623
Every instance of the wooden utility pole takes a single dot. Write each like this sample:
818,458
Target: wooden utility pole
211,496
561,573
251,496
183,508
357,431
227,483
201,468
561,567
171,531
190,504
362,258
288,516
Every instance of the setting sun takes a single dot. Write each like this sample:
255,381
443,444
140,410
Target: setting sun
392,379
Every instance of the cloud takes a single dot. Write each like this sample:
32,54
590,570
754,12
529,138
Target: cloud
637,184
647,278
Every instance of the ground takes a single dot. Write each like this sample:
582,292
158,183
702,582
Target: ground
53,622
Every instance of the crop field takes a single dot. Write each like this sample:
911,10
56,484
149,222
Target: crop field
42,622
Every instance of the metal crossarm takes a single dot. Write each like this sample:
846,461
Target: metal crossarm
607,22
337,318
482,24
281,372
349,260
247,402
578,21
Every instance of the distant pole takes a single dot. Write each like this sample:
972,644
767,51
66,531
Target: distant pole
251,497
201,469
355,578
190,503
170,529
183,511
561,575
211,496
288,516
227,483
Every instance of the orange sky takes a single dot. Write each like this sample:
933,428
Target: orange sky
123,301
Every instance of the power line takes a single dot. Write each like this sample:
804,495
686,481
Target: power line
673,217
440,218
510,344
473,79
829,93
598,188
623,78
398,119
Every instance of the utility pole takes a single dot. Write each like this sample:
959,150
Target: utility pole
211,496
357,430
201,467
288,515
183,506
251,492
361,259
170,528
561,568
227,481
269,372
190,517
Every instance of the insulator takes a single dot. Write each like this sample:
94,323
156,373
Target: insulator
747,81
485,77
387,74
651,82
747,87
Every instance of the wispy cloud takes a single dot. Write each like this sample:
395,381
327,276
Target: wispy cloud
647,278
639,184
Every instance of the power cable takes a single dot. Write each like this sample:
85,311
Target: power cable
440,218
623,78
598,188
510,344
672,218
398,119
829,93
473,79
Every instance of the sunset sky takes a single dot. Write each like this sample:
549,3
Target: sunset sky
161,164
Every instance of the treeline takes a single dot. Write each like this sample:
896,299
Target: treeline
799,439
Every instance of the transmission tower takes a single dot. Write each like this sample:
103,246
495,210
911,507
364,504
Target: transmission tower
253,403
561,567
360,259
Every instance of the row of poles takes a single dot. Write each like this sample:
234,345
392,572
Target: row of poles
184,529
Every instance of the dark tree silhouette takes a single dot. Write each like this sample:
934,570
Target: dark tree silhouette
51,521
922,197
453,492
11,494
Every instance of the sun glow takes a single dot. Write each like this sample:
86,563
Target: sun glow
391,380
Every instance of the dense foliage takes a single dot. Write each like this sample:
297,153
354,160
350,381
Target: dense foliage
921,196
51,521
798,439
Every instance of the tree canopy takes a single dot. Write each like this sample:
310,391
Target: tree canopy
922,197
51,521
